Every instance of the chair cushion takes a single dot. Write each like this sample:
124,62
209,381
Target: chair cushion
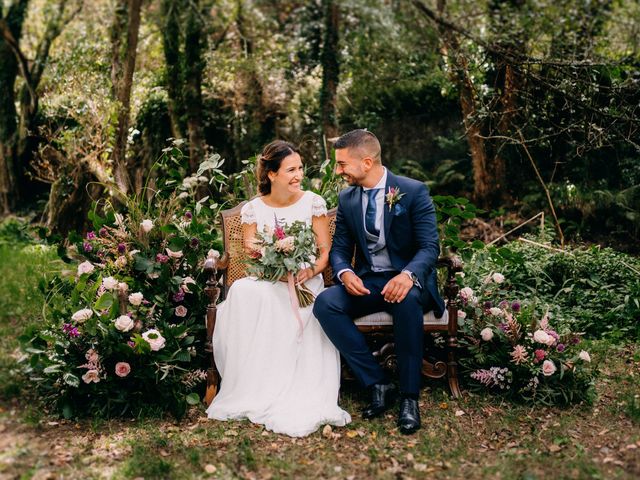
385,319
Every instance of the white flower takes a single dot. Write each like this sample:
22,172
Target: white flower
584,356
85,267
497,277
285,245
213,254
541,336
486,334
123,287
109,283
462,314
124,323
173,254
155,340
135,299
466,293
496,311
181,311
473,301
91,376
460,274
146,225
548,368
82,315
183,195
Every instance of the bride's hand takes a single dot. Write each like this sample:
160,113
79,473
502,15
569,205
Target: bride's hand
304,275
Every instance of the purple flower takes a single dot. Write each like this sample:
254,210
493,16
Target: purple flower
161,258
70,330
178,296
503,304
87,247
488,304
515,306
575,340
131,343
91,235
102,232
553,334
188,215
121,248
503,326
194,242
100,253
560,347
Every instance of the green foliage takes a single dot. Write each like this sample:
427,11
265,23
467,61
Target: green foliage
15,231
587,289
451,213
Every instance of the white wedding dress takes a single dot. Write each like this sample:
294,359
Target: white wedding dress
270,375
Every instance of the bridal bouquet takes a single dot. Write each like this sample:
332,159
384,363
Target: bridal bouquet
280,252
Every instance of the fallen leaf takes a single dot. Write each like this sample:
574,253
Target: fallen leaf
210,468
352,433
459,413
444,405
553,448
326,431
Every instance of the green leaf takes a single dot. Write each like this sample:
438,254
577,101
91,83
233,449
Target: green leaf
71,380
105,301
193,399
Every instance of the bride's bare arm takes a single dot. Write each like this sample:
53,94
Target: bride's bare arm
248,237
320,227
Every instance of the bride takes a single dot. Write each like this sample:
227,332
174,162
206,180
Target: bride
269,374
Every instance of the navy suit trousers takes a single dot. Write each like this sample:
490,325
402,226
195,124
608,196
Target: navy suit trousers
335,309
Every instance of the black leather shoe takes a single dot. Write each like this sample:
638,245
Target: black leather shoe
409,416
382,398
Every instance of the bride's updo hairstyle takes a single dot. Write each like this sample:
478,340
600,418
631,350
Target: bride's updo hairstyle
270,160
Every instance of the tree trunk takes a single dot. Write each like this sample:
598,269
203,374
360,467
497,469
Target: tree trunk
124,42
9,180
330,70
171,47
482,181
194,66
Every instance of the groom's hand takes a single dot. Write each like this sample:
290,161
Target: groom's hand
397,288
353,284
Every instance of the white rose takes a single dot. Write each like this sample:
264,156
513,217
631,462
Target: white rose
473,301
82,315
548,368
146,225
466,293
123,287
462,314
497,277
155,340
173,254
85,267
109,283
135,299
496,311
541,336
124,323
584,356
213,254
486,334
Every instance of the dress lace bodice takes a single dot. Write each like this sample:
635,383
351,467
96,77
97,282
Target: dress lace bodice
308,206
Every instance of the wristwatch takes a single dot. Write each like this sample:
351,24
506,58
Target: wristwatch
412,276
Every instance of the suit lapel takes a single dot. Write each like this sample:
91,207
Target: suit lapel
388,218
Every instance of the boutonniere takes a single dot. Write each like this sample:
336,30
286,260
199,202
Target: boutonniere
393,196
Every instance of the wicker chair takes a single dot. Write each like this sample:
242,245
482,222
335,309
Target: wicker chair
378,327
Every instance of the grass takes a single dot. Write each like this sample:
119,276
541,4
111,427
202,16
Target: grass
475,437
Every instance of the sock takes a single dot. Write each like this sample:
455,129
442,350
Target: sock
412,396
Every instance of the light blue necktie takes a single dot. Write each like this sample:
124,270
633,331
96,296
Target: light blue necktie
370,214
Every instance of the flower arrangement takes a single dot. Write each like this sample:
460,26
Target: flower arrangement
280,252
123,332
512,350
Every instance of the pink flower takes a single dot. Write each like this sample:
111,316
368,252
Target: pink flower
181,311
123,369
91,376
486,334
285,245
540,354
584,356
548,368
519,355
279,232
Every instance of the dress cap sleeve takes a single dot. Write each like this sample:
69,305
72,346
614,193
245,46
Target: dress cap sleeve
248,213
318,206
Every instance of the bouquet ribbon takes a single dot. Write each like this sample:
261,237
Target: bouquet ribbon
295,306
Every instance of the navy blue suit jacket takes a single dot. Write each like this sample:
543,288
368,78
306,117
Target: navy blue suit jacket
411,236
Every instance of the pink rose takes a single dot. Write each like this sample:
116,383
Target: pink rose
181,311
91,376
548,368
123,369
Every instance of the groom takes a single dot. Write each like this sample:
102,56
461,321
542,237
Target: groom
390,221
